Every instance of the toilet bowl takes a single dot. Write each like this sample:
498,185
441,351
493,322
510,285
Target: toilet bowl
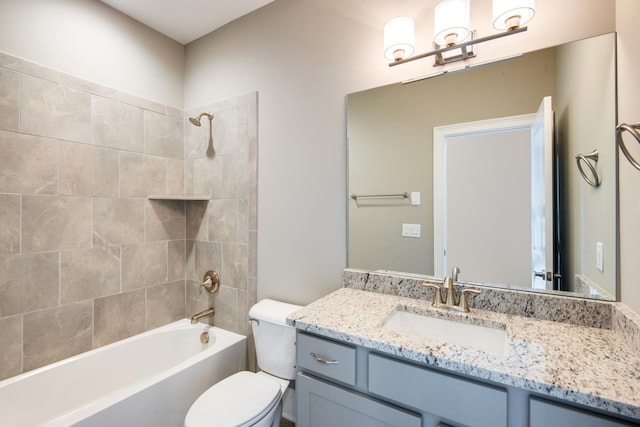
254,399
243,399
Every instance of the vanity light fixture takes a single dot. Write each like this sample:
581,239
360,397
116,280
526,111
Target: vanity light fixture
399,38
453,40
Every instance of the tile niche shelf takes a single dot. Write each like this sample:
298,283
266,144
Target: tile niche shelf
185,198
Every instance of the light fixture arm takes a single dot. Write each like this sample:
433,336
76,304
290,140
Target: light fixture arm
463,45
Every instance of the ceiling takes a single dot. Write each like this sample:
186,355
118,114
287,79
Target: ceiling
185,20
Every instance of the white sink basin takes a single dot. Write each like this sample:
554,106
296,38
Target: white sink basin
490,340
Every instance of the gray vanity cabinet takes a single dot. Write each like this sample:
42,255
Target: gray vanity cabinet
345,385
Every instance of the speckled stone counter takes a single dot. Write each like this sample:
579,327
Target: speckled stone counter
585,365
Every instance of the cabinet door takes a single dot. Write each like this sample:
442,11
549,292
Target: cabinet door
447,396
322,404
550,414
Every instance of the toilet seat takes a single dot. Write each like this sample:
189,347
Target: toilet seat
238,400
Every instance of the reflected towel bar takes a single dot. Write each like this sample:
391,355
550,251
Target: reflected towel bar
379,196
586,159
633,130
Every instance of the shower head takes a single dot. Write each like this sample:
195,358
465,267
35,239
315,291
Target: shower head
196,120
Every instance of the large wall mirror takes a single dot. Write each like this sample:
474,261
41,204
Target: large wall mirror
449,172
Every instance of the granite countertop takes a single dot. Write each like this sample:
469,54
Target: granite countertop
585,365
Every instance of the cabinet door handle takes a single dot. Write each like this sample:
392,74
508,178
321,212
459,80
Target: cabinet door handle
325,361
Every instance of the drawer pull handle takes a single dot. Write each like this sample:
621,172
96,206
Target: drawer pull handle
325,361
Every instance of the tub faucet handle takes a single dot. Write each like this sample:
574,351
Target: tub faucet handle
211,282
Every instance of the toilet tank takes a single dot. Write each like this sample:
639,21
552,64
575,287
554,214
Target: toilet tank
275,341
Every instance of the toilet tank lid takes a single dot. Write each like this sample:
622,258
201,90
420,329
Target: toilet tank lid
272,311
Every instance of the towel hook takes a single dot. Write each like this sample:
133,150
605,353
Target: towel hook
633,130
587,158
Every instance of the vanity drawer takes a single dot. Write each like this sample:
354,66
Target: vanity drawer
550,414
326,358
450,397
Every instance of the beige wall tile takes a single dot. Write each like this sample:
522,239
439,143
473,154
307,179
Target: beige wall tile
223,220
165,220
236,176
207,177
9,100
197,223
141,175
144,265
89,273
58,333
116,125
118,317
88,171
28,282
225,303
28,164
252,255
118,221
54,223
9,224
243,221
11,348
253,208
53,110
175,177
231,130
165,304
235,265
163,135
207,256
243,313
253,162
177,260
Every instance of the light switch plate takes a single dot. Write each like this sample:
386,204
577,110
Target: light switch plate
600,256
415,198
411,230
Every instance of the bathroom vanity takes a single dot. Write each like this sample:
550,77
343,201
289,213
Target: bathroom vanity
357,369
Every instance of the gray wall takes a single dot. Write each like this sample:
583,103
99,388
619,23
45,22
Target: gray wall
627,17
588,124
90,40
303,58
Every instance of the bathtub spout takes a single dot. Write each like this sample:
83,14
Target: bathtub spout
209,312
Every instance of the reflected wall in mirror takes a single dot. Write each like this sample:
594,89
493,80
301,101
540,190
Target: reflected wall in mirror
390,133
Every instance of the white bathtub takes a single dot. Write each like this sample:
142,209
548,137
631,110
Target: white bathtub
149,379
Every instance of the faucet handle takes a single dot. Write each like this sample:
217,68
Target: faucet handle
464,304
211,282
437,295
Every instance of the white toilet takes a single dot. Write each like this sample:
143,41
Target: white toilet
255,399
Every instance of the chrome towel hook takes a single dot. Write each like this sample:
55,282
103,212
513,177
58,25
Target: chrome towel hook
633,130
594,180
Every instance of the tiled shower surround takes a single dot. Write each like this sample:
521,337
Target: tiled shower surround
86,258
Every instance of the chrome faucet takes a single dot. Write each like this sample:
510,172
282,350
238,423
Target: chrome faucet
209,312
